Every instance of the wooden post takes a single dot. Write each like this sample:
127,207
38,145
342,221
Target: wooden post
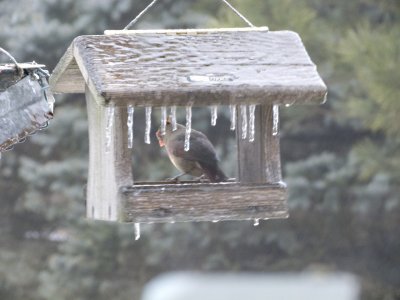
108,168
272,153
259,161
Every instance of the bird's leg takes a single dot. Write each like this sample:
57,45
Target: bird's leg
202,178
176,178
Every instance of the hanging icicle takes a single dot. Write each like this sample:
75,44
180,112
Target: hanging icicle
256,222
163,119
110,112
214,115
252,133
188,127
131,111
148,125
290,104
275,120
137,231
243,113
232,109
173,118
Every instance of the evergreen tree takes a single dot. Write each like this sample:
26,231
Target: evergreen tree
341,160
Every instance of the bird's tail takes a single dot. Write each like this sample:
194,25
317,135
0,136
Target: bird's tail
214,173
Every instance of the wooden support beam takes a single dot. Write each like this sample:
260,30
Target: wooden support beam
186,31
259,161
272,151
108,168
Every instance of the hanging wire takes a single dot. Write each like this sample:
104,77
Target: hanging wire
134,21
140,14
238,13
20,70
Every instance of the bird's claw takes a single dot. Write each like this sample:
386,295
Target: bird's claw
173,179
202,178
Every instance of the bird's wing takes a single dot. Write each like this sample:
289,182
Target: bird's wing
201,149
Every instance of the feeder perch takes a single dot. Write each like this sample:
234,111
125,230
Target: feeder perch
25,104
240,66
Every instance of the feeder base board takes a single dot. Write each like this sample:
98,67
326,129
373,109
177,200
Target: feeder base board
192,202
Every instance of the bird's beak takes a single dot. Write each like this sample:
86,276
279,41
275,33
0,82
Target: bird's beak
160,138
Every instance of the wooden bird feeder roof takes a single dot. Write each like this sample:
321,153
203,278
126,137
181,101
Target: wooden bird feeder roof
197,67
201,67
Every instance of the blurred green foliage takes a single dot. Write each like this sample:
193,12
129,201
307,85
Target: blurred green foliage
341,160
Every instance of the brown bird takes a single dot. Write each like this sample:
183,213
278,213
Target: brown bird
200,160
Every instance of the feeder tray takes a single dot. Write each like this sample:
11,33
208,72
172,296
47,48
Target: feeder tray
239,66
24,102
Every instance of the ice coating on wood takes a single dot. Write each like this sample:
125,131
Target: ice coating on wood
110,112
275,120
252,109
173,118
131,110
137,231
168,61
243,113
232,109
148,125
214,115
163,119
188,127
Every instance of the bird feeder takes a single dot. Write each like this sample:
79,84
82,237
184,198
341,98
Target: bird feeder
25,103
161,68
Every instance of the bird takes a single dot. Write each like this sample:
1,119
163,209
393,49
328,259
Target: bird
200,160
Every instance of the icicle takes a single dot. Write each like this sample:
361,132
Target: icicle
148,125
173,118
290,104
256,222
275,120
188,127
50,100
252,109
110,112
243,112
163,119
137,231
131,110
232,109
214,115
